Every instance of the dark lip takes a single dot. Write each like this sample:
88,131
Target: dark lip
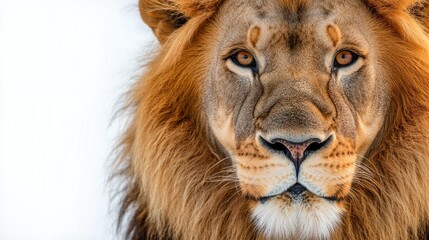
332,199
266,198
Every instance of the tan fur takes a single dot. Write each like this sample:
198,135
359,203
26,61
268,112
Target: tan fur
254,35
178,186
294,5
334,34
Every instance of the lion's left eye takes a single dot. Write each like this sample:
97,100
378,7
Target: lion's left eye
345,58
244,59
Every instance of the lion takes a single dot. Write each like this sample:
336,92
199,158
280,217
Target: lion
279,119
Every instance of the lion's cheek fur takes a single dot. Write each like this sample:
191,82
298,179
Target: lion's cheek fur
222,128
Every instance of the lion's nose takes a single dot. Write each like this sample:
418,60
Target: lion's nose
295,151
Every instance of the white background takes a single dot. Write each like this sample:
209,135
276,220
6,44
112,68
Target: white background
63,67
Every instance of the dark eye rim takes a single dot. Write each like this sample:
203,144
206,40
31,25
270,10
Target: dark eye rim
355,58
233,58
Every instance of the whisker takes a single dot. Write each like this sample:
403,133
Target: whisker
374,168
233,195
217,164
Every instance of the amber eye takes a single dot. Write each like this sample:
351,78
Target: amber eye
345,58
244,59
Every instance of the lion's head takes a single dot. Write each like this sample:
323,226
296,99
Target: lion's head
281,119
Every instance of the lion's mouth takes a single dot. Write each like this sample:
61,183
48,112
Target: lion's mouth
297,192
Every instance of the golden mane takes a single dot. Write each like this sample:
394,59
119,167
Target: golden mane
171,167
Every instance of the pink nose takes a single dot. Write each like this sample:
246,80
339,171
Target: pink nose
297,150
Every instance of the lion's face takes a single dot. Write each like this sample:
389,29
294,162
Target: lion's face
295,98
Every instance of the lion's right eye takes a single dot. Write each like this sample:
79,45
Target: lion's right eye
345,58
244,59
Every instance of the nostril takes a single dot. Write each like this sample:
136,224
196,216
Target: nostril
313,147
274,146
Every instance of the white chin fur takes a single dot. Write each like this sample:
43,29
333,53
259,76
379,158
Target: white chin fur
297,221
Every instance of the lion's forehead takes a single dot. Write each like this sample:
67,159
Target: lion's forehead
293,26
